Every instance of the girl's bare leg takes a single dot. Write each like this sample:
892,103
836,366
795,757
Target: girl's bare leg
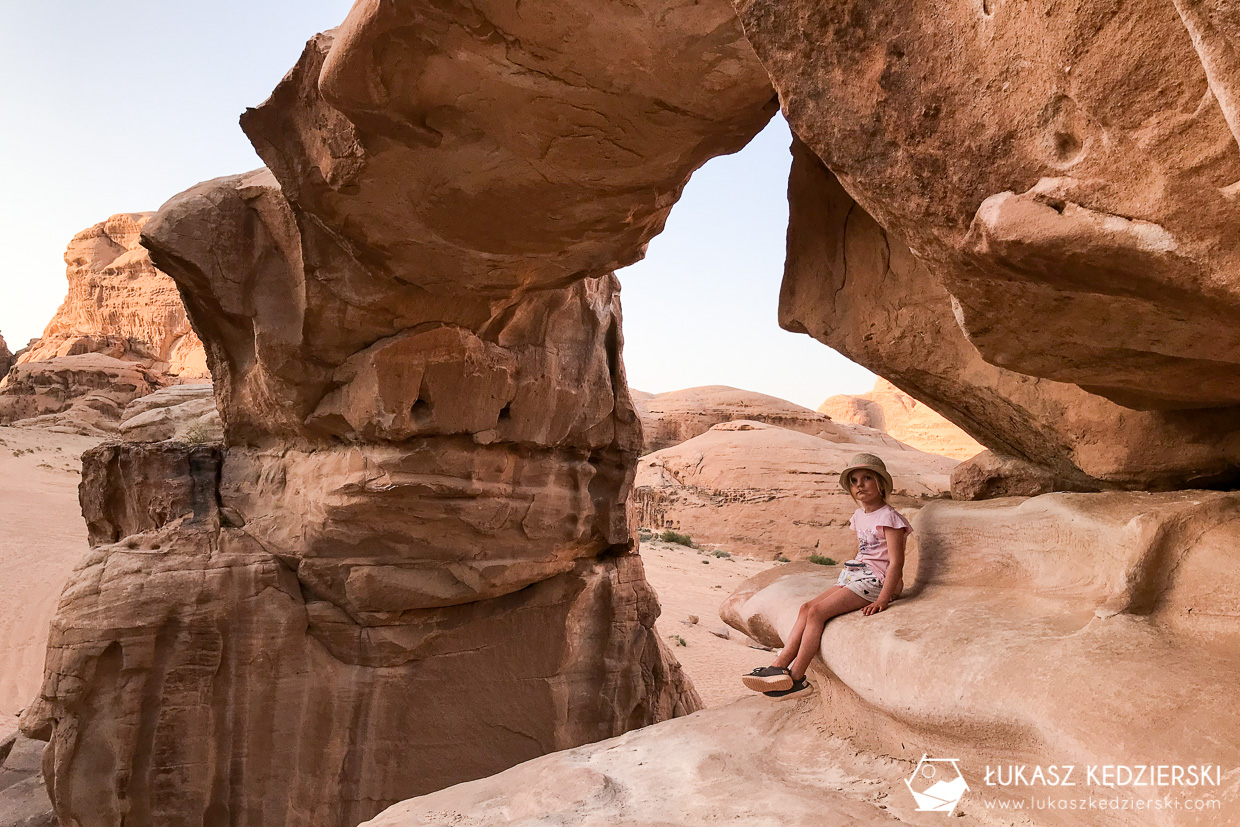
793,645
833,603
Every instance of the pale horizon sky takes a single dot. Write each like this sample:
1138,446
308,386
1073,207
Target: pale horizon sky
117,107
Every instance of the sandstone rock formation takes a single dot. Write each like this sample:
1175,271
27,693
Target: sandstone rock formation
121,333
762,490
989,475
23,795
418,529
185,413
119,305
1068,628
750,762
83,394
1044,256
671,418
891,410
6,358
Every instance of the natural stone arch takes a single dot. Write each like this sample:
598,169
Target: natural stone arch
412,564
413,328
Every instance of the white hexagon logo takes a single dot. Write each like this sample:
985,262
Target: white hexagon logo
937,784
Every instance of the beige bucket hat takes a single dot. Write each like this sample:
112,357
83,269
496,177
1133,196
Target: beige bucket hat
870,462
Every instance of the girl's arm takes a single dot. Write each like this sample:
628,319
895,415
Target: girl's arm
895,570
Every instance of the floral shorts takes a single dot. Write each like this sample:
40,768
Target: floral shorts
861,581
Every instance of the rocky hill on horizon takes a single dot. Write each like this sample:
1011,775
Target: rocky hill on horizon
762,490
673,417
120,334
891,410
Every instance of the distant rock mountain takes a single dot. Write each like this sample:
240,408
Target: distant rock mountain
760,489
119,305
676,416
120,334
893,411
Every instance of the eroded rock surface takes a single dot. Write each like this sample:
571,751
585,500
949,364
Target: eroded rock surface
762,490
1065,172
891,410
120,306
182,412
1079,628
859,288
419,529
83,394
988,476
750,762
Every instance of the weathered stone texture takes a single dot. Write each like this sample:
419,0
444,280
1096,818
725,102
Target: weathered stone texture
421,539
860,289
83,394
1054,184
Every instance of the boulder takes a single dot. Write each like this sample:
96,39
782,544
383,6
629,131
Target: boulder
23,794
891,410
6,358
989,475
186,413
119,305
762,490
1084,629
676,416
82,394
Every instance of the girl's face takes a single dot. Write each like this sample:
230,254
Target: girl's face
866,488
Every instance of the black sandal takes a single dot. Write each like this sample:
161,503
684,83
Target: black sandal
768,679
797,686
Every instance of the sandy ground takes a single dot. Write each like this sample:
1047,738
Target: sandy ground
42,537
692,583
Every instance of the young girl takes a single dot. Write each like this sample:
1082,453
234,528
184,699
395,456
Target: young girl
870,582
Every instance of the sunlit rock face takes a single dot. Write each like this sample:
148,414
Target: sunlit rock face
413,563
1055,185
119,305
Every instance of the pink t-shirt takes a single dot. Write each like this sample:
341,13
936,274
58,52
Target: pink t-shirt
872,540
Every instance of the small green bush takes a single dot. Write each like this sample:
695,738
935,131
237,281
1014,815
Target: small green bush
645,534
679,640
779,558
670,536
721,553
820,560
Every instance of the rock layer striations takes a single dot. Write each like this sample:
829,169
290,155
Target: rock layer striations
413,564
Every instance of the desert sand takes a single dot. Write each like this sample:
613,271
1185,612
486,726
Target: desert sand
43,538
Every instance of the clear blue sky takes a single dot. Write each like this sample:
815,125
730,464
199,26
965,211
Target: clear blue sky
114,107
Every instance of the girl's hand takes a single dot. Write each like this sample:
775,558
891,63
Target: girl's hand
875,607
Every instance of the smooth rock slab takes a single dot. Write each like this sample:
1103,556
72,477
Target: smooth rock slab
752,762
1068,628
